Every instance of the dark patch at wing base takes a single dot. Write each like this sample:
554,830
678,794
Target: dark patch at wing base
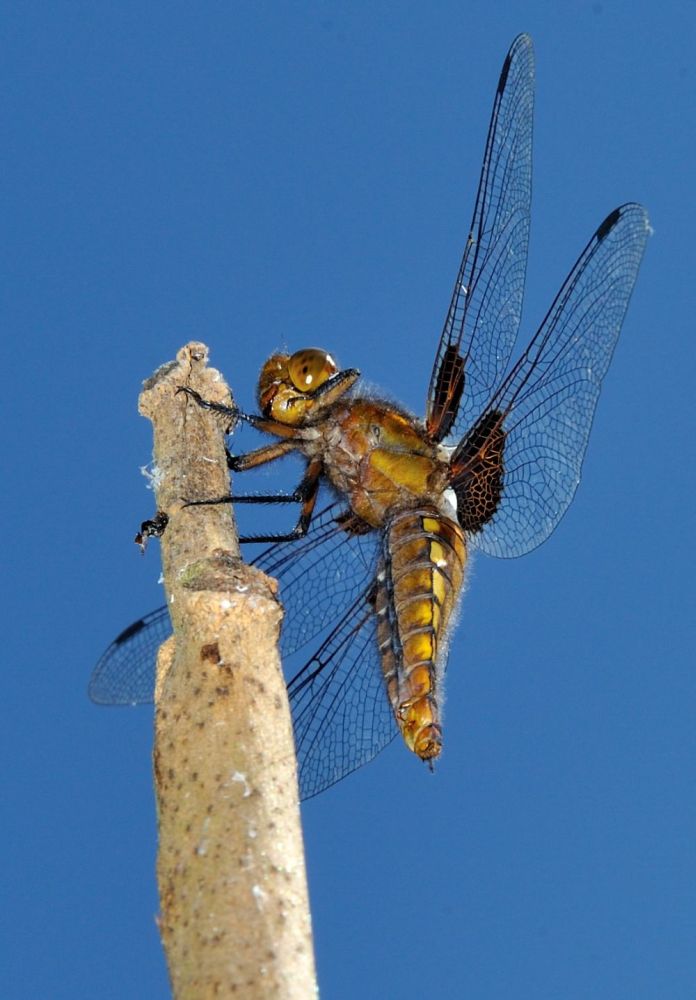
477,472
446,395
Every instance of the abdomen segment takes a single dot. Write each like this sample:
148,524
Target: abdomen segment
418,586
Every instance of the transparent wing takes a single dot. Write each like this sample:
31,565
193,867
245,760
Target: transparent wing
486,306
548,400
320,575
339,706
125,672
341,715
340,712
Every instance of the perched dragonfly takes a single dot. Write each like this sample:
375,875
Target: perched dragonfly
371,583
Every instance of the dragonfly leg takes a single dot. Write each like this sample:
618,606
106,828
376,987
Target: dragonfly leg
252,459
228,411
265,424
305,494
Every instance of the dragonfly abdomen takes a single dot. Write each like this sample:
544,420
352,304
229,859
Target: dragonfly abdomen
419,583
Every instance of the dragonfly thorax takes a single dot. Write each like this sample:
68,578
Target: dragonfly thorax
379,458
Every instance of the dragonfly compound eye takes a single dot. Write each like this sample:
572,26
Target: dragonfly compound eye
311,368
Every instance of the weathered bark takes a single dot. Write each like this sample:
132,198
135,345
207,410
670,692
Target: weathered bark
234,908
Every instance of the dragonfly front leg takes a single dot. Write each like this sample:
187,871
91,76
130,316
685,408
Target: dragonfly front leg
265,424
228,411
306,490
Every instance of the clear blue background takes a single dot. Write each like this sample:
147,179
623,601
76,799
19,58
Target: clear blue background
265,175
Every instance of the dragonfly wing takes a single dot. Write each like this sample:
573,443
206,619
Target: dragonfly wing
340,712
548,400
486,305
125,673
339,704
320,575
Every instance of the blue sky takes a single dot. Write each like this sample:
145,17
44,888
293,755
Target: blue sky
271,175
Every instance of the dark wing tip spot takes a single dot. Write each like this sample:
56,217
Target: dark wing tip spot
504,72
130,630
606,227
523,40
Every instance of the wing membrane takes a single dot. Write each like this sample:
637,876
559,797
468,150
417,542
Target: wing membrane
341,715
486,305
125,672
339,707
320,575
547,401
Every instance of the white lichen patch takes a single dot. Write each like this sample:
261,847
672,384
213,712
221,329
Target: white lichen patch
241,778
153,474
259,895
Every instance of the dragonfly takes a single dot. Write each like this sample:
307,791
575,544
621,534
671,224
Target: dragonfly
391,505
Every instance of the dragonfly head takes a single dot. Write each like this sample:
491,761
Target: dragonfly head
295,387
